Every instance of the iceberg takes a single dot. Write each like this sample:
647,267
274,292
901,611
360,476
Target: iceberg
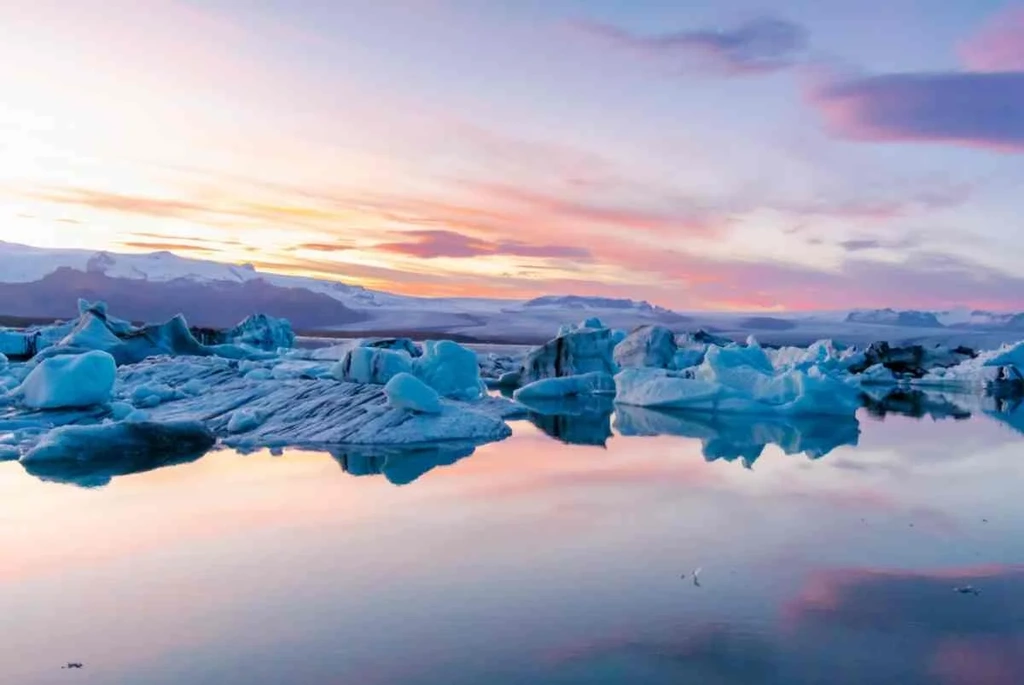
69,381
371,365
567,386
578,352
737,379
450,369
406,391
16,344
653,346
262,332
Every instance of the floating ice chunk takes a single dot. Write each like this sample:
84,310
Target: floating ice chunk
70,381
876,374
737,379
509,379
91,455
450,369
592,323
193,387
245,420
1007,355
568,386
263,332
15,343
91,333
406,391
259,374
579,352
152,394
137,416
372,365
119,410
647,346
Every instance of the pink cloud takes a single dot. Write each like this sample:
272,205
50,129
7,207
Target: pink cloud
999,44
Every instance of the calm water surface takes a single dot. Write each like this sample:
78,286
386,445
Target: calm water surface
535,561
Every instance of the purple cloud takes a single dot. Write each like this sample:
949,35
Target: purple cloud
428,244
973,109
757,46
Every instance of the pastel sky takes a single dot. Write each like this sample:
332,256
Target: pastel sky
800,154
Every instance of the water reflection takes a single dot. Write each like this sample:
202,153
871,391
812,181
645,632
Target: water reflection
534,562
744,437
577,421
400,465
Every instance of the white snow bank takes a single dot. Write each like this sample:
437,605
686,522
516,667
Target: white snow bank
737,379
406,391
567,386
70,381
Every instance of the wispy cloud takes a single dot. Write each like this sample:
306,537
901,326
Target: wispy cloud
760,45
429,244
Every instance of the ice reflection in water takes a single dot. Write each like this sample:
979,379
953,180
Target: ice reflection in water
540,560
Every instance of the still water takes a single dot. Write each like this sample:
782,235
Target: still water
536,561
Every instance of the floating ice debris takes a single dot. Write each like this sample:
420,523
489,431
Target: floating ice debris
69,381
450,369
594,383
371,365
650,346
574,353
71,664
405,391
262,332
967,590
738,379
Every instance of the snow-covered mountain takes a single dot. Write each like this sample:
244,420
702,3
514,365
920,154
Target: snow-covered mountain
45,283
38,282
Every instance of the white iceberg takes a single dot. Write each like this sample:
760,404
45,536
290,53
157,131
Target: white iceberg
371,365
738,379
647,346
263,332
406,391
578,352
450,369
568,386
70,381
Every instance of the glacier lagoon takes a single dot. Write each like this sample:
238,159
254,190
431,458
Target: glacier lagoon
881,549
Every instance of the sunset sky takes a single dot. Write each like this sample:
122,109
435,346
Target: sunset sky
807,154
